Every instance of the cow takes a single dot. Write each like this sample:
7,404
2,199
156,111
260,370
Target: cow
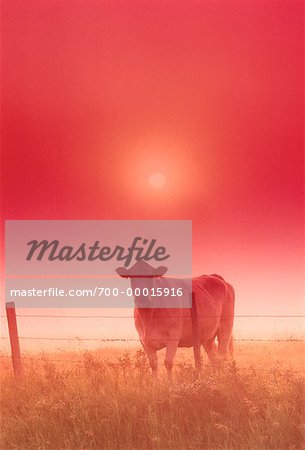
210,315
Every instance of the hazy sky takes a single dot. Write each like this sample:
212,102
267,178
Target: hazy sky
98,95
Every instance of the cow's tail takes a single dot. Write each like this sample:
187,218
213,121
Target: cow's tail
225,330
231,346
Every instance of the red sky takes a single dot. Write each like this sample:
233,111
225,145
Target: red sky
97,95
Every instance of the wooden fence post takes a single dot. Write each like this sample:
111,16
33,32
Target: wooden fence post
14,340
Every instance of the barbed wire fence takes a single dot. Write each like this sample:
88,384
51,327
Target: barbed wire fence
14,338
155,317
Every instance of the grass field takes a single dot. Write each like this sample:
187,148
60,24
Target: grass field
106,399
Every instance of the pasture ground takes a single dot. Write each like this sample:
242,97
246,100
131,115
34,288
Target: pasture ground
106,399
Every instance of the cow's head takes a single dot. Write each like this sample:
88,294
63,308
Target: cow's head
142,276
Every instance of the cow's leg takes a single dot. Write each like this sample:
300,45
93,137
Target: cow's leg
169,359
153,359
196,336
225,343
197,358
211,350
224,333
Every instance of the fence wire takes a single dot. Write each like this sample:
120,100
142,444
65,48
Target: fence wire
155,317
43,338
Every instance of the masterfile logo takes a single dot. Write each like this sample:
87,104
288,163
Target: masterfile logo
74,263
140,250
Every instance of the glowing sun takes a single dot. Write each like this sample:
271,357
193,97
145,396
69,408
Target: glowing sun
156,180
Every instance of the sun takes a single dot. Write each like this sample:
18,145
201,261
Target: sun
156,180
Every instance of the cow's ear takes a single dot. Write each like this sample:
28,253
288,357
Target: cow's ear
123,272
161,270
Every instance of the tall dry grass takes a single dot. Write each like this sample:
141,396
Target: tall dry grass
97,402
